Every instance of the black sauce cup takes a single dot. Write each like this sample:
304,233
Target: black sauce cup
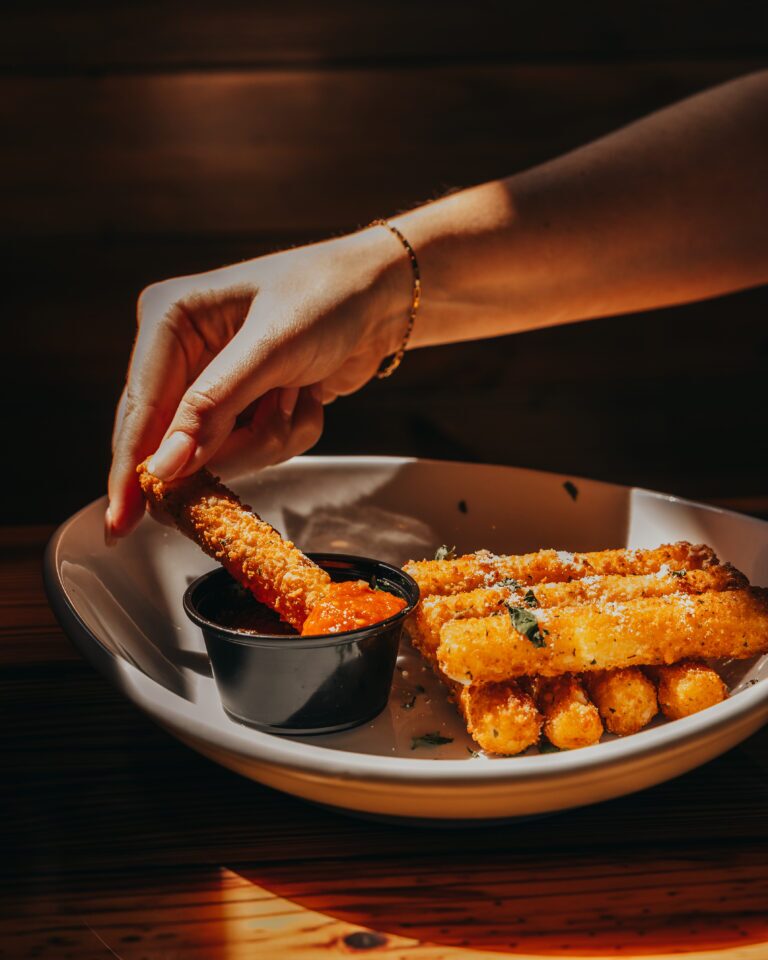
290,684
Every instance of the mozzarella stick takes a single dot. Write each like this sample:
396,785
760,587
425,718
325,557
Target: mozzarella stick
483,569
687,687
626,699
500,717
273,569
575,639
571,720
436,610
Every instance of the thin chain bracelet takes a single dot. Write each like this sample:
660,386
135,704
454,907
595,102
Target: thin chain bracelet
391,365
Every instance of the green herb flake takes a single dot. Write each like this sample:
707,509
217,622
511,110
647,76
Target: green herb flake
435,739
510,584
473,753
529,599
678,573
524,622
571,489
445,553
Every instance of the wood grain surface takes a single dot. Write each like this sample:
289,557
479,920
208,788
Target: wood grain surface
120,842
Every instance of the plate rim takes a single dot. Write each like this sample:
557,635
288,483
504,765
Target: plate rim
671,737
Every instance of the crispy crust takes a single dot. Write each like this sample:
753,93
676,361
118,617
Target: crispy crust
483,569
571,720
651,630
434,611
254,553
688,687
500,717
626,699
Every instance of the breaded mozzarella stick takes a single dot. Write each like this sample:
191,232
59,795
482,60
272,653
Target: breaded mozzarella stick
484,569
575,639
687,687
626,699
273,569
436,610
571,720
500,717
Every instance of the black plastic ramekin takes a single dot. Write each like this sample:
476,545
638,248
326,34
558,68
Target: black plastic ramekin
302,685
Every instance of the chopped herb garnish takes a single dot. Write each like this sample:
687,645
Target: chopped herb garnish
524,622
510,584
462,506
373,581
571,489
592,661
472,753
677,573
435,739
546,747
529,599
445,553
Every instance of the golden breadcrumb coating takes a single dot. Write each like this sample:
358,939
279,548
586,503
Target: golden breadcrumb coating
500,717
501,720
273,569
571,720
687,687
605,636
434,611
626,699
483,569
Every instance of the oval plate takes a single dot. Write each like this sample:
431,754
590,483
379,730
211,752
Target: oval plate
122,607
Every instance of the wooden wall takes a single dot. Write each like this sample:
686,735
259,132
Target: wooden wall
144,140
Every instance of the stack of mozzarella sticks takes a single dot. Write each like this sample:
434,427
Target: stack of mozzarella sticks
575,644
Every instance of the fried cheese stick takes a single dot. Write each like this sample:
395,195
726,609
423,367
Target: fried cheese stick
507,718
436,610
254,553
500,717
687,687
625,698
576,639
571,719
483,569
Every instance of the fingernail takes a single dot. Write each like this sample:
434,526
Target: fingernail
172,454
109,529
288,398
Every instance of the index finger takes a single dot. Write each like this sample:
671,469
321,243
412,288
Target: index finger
157,378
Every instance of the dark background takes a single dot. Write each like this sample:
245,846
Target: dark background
152,139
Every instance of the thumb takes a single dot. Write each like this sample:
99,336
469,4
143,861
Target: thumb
207,412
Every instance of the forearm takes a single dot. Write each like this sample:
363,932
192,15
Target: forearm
669,209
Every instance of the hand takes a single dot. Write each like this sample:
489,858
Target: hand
232,367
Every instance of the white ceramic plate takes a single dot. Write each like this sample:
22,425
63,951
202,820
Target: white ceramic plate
122,607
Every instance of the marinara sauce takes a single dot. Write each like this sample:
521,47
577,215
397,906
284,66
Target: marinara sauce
349,605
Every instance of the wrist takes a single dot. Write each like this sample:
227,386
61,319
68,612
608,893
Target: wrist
383,264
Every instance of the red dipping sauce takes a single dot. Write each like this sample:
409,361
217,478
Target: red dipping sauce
350,605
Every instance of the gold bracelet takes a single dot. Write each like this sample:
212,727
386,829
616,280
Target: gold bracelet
391,365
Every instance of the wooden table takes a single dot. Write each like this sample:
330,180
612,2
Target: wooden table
120,842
